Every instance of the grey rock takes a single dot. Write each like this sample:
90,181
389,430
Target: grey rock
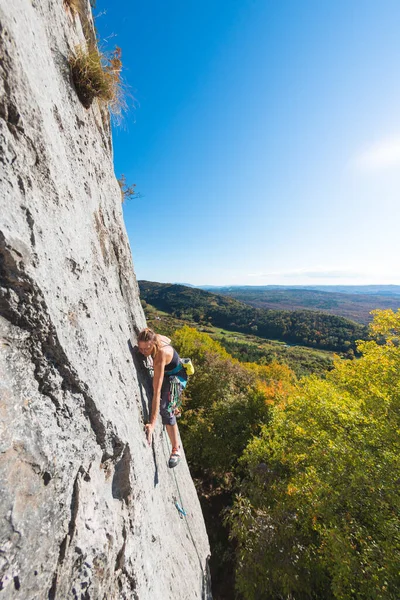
87,507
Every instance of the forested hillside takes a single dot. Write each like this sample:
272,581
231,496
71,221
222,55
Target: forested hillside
317,514
298,480
308,328
225,405
351,304
248,347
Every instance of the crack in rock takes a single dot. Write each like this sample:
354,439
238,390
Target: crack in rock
22,303
121,483
66,542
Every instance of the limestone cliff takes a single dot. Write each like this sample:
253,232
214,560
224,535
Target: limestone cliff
87,508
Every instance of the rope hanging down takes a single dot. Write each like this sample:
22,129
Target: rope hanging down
183,515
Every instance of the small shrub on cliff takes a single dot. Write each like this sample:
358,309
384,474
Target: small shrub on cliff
97,75
128,192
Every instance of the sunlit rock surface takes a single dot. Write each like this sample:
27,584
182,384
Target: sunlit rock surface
87,508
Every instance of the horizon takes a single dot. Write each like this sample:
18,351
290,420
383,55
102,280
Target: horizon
265,139
291,286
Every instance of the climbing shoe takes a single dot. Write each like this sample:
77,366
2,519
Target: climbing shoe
174,458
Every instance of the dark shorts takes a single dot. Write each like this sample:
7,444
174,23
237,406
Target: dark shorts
166,417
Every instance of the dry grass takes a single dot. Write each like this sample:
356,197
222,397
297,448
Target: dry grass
74,6
78,8
97,75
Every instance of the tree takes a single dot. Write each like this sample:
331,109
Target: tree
318,515
226,401
128,192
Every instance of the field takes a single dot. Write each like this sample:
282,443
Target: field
248,348
354,306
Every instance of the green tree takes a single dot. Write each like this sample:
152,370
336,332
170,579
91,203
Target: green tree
318,515
226,401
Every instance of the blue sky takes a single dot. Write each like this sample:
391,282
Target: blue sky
265,139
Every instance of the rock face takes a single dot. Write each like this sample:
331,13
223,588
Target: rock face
87,508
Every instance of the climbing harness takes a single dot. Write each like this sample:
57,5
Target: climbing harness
177,383
175,370
184,363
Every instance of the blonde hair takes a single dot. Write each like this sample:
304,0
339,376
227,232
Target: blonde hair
148,335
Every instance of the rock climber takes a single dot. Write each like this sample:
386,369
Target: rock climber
166,365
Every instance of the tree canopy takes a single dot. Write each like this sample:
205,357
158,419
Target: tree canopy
318,513
305,327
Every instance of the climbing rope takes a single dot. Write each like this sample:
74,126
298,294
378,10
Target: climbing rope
174,406
183,515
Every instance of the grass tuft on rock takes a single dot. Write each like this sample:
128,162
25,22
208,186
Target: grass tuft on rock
97,75
73,5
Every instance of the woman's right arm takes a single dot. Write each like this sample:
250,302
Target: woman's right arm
157,384
159,364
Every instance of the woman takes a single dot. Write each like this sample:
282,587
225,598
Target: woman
166,364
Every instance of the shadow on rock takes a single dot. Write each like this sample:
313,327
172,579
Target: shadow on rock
146,391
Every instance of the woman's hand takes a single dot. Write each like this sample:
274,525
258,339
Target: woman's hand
149,428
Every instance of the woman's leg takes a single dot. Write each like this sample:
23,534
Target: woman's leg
172,431
168,419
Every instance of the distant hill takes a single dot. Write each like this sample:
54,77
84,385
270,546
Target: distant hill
351,302
248,347
305,327
375,290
